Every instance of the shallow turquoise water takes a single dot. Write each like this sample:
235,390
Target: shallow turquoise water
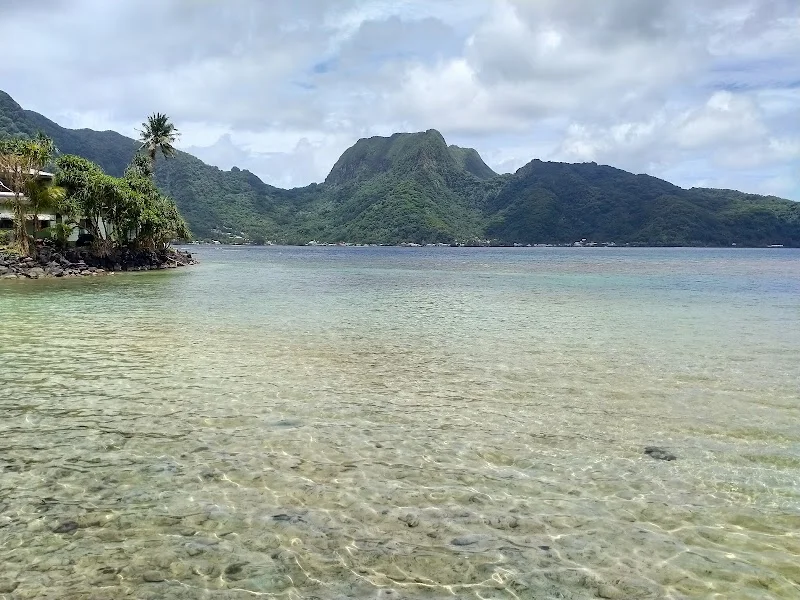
406,423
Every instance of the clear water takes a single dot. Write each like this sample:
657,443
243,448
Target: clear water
405,423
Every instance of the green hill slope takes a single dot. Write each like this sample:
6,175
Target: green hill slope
416,188
208,198
469,160
407,187
560,203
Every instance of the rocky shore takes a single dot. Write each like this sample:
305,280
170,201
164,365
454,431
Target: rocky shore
81,262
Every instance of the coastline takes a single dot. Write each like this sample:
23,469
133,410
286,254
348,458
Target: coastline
81,262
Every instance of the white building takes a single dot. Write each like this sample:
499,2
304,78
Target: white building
7,207
45,220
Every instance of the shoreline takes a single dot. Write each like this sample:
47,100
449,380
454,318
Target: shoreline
492,246
80,262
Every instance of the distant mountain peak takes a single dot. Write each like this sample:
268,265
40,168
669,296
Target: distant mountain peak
424,150
470,160
413,187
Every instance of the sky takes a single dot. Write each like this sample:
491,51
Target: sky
698,92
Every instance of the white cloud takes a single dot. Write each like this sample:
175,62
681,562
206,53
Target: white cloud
725,119
697,92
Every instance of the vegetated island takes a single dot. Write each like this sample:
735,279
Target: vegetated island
414,189
79,221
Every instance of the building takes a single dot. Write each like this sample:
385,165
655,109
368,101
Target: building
7,208
46,220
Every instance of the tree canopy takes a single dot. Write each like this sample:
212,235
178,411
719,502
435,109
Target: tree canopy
22,160
119,211
158,133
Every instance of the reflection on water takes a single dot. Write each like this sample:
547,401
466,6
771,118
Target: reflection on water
388,423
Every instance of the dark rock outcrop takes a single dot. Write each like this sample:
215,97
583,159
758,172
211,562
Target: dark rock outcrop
81,262
659,453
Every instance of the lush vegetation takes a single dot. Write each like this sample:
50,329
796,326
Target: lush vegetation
21,162
414,188
119,212
158,133
562,203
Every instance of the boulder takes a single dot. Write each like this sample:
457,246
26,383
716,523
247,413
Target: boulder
66,527
153,577
659,453
35,273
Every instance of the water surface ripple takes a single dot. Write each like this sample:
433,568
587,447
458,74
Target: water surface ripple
405,423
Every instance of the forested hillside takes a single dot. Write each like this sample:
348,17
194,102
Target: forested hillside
416,188
562,202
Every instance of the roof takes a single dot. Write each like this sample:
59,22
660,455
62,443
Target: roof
42,174
7,197
42,217
5,191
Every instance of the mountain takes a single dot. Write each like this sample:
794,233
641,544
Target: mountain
469,160
562,202
410,186
413,187
207,197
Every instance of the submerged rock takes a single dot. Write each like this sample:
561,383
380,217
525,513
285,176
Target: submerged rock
235,569
659,453
469,540
7,586
284,518
66,527
288,423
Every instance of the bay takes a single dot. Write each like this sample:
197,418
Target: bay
406,423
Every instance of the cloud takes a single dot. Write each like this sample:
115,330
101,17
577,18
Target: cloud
706,92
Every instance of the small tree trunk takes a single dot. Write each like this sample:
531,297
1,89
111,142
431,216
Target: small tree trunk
20,229
101,244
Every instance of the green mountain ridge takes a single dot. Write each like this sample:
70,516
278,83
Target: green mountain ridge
413,187
469,160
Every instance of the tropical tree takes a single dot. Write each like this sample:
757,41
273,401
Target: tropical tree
21,163
43,196
140,166
88,192
128,211
158,133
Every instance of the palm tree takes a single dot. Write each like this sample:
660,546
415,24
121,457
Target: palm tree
21,163
158,133
43,196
